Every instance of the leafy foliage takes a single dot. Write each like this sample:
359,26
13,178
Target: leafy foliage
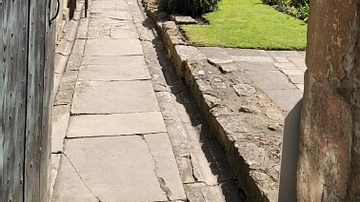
296,8
193,8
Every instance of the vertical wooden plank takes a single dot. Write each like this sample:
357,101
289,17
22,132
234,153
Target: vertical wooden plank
36,63
1,98
14,112
47,107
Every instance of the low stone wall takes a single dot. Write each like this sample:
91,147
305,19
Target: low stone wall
246,121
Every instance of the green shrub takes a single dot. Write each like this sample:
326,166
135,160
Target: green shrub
193,8
299,2
296,8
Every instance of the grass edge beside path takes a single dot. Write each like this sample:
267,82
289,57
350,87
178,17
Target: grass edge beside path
248,24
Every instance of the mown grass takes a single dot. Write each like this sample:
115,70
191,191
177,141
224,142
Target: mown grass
248,24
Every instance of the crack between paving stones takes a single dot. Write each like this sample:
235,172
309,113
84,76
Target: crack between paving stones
126,55
193,169
63,54
101,136
161,181
81,177
61,105
106,114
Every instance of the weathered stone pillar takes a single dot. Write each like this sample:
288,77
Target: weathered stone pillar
329,160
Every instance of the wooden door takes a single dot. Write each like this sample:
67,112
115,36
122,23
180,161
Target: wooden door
28,60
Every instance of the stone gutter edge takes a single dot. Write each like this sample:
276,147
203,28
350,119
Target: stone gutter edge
172,37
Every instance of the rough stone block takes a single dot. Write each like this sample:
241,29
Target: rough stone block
325,145
184,53
183,19
331,40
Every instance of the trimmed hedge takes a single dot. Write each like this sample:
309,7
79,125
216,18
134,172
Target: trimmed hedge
193,8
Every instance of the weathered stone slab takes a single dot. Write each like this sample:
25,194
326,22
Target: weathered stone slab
69,186
166,168
178,19
296,79
288,54
112,28
216,55
113,14
286,99
116,124
189,52
113,72
83,28
246,52
300,87
270,80
258,59
114,97
184,53
116,168
200,192
299,62
98,22
285,66
292,72
60,118
55,163
122,60
123,33
101,6
113,47
229,67
257,66
282,59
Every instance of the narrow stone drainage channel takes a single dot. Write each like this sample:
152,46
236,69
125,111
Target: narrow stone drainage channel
205,173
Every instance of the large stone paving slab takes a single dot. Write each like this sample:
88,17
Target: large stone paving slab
115,14
286,99
117,124
113,47
113,72
252,59
101,6
110,28
216,55
166,167
116,168
246,52
115,60
114,97
270,80
257,66
69,186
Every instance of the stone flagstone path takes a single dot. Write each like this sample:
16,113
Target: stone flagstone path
117,147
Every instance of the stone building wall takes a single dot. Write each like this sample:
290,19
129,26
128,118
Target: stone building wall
329,160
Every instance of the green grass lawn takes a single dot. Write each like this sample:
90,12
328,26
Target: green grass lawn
248,24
